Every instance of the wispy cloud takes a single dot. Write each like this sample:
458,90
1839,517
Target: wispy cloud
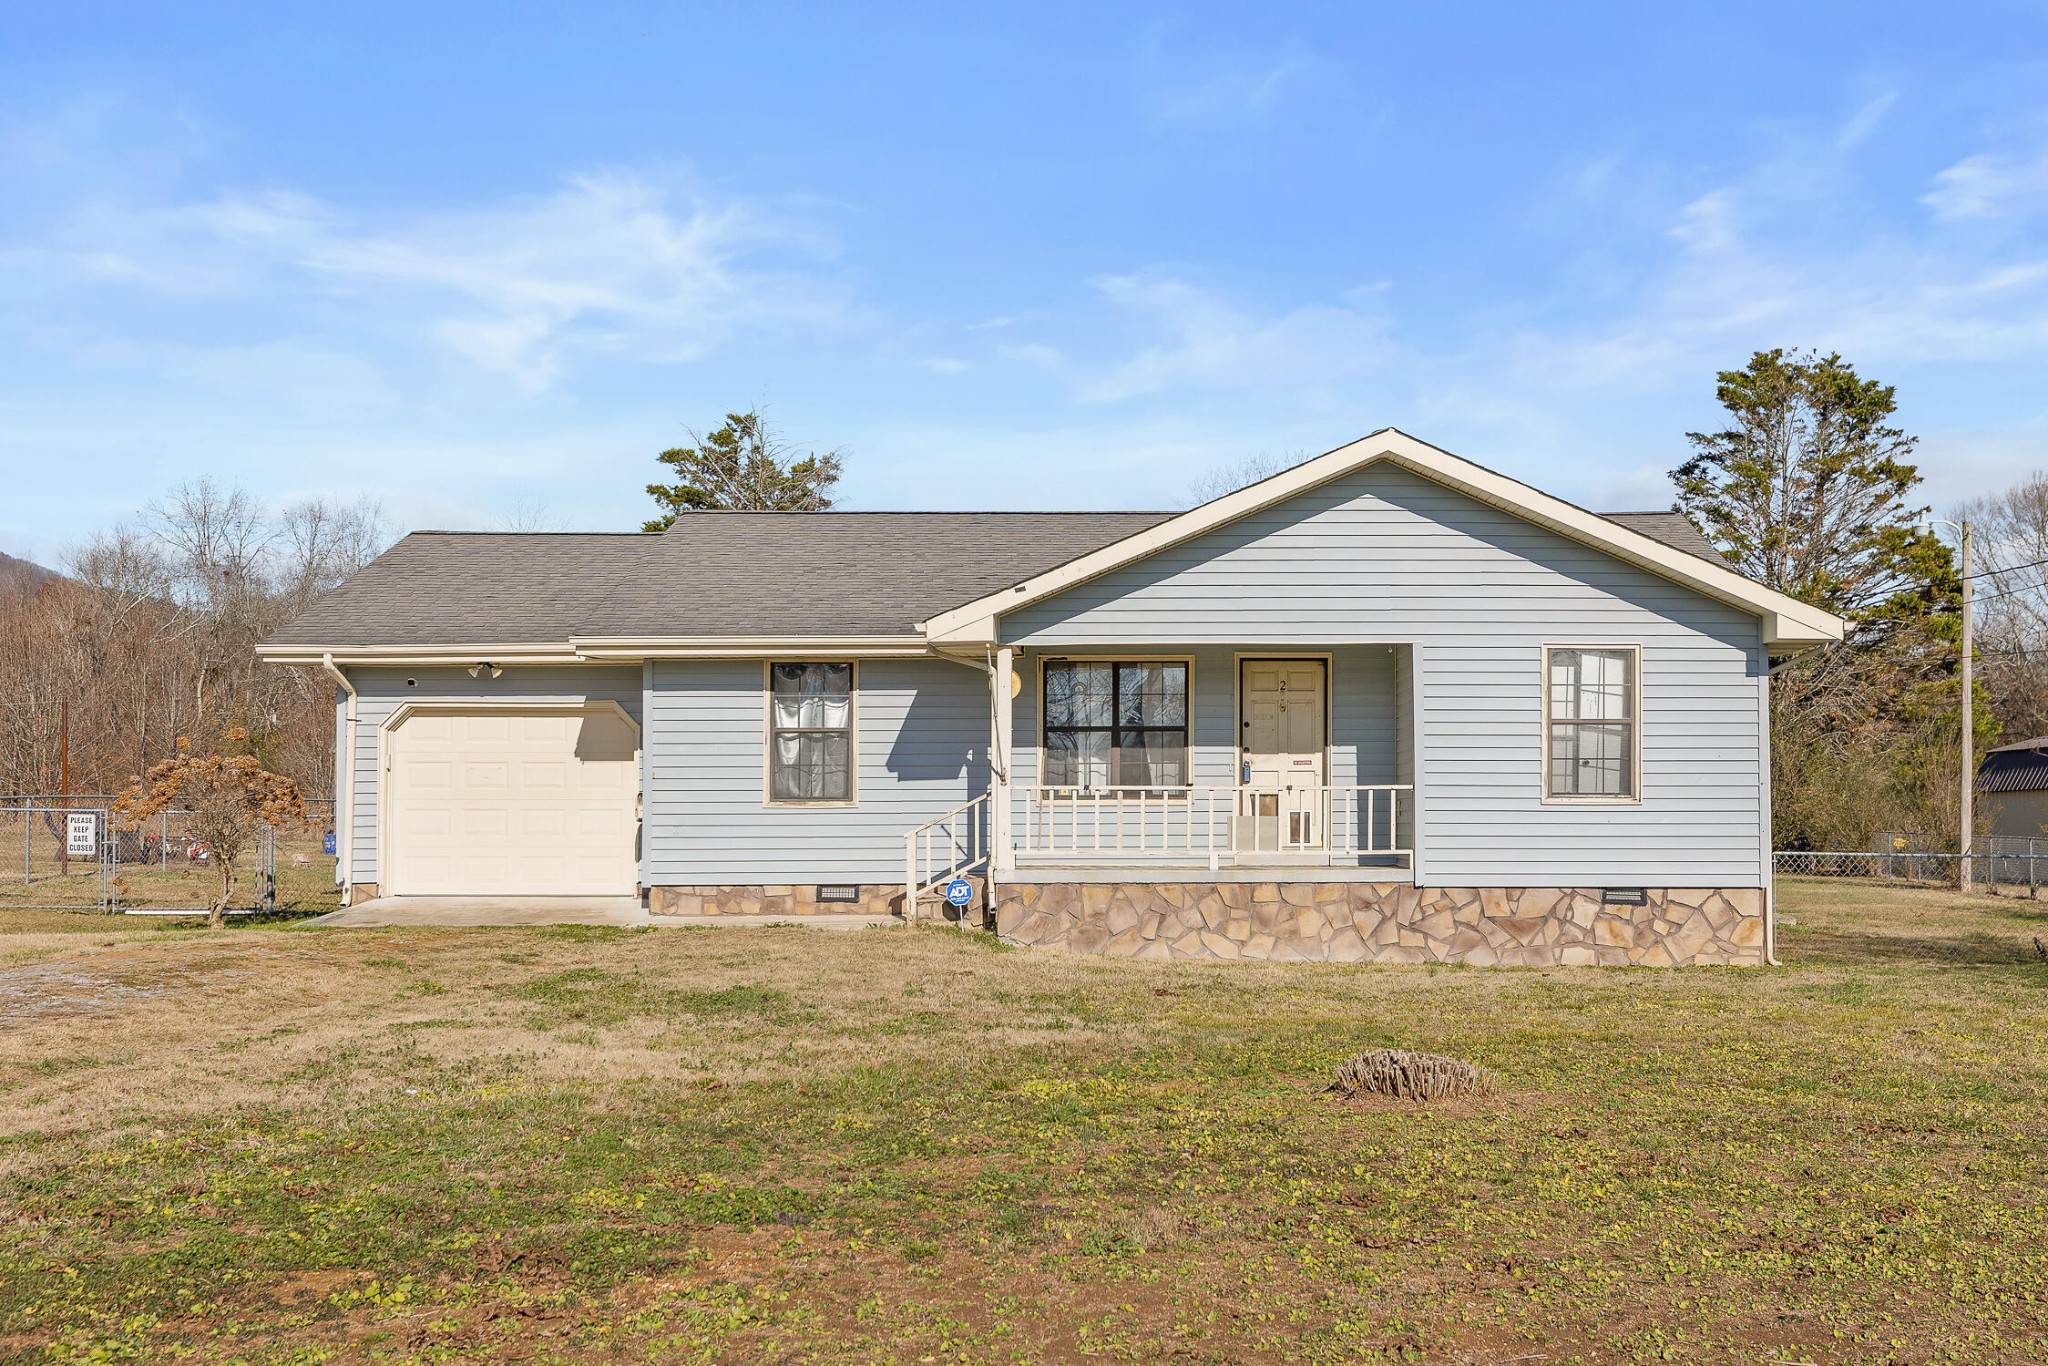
1228,97
1990,185
1191,337
617,264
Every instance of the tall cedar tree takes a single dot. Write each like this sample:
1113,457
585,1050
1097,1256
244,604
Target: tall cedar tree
743,465
1808,490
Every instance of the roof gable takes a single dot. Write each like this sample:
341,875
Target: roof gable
1786,621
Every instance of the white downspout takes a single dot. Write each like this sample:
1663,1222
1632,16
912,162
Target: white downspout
345,786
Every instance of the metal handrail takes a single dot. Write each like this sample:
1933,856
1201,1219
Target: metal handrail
965,831
1117,823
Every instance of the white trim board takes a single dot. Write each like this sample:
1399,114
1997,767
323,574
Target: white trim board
1787,622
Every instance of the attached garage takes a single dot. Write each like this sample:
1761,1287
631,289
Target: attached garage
505,801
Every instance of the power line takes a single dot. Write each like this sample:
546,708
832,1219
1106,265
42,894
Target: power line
1976,598
1985,573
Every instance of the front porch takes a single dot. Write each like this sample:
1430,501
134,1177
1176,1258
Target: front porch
1200,763
1207,759
1291,830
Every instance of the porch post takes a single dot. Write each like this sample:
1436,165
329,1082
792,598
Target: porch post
1002,858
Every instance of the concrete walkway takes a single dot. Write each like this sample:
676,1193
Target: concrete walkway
623,911
488,910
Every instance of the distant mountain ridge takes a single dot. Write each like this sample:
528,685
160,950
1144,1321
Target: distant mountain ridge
13,567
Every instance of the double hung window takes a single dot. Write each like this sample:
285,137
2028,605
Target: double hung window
1594,723
810,732
1113,725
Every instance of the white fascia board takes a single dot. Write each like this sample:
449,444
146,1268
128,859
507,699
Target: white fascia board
464,655
751,647
607,651
1788,622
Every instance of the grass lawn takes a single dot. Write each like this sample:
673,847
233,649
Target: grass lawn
281,1144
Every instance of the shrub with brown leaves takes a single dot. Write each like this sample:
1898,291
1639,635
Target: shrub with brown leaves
231,798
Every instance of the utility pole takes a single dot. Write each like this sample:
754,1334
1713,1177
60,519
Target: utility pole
64,779
1969,774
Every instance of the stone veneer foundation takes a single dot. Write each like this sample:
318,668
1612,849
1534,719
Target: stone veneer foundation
1361,922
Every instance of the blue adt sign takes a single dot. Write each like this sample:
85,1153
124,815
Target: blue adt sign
959,891
327,844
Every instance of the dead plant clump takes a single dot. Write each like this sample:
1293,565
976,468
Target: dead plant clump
1411,1076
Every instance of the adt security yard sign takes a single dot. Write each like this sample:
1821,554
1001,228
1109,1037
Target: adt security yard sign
959,891
81,834
327,844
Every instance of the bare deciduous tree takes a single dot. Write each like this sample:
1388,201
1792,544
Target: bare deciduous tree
2011,535
151,635
1237,474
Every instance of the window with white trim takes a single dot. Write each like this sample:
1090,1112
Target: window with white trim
1109,724
810,732
1592,712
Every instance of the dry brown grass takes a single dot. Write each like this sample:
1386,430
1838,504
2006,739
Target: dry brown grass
573,1144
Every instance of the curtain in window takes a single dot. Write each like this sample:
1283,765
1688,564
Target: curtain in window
811,715
1115,725
1592,723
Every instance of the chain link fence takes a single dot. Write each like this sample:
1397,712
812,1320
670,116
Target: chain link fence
70,853
2016,867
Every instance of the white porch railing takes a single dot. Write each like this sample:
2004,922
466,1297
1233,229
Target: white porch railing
1219,825
940,850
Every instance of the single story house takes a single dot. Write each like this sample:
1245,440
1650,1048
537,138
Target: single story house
2013,783
1386,705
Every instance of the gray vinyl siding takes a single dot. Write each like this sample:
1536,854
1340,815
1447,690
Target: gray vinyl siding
1405,729
340,768
922,730
380,692
1383,555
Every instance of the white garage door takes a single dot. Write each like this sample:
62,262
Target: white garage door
512,803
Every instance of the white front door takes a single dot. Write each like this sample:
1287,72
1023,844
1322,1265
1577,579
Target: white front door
1282,753
511,803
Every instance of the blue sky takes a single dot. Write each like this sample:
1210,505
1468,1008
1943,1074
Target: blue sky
477,261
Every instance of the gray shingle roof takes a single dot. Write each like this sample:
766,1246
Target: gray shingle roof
727,574
470,588
1673,529
713,574
839,573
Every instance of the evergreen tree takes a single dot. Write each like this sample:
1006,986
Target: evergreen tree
743,465
1807,489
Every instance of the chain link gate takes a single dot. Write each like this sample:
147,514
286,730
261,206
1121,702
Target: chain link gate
67,858
75,858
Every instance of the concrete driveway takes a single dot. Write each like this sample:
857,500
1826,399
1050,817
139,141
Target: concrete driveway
623,911
488,910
